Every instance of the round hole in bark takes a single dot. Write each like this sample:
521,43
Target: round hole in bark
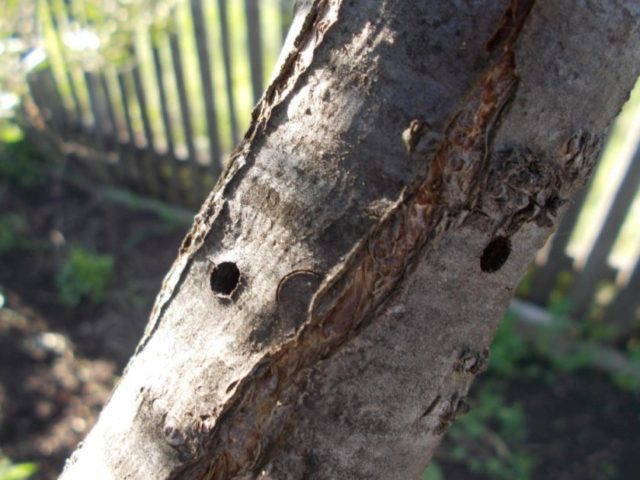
224,279
495,254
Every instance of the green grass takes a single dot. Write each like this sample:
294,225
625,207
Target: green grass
490,439
85,276
21,165
16,471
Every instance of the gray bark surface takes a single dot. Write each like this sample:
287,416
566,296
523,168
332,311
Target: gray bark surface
400,173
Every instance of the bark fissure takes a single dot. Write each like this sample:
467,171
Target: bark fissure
256,412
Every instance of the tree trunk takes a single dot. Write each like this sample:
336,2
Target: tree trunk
341,285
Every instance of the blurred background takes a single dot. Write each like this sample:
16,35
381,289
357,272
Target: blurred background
115,120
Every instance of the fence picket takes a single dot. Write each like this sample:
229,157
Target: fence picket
284,7
622,311
68,17
148,165
77,109
252,8
111,116
34,83
130,161
98,127
170,158
228,76
51,93
596,266
557,260
141,98
200,32
185,112
113,138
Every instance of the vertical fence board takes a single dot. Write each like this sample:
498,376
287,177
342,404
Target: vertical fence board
144,111
111,115
621,313
596,265
185,112
77,109
174,180
114,94
76,100
228,76
252,9
98,125
130,161
52,93
113,139
557,259
98,130
164,107
200,32
150,167
34,82
285,18
81,84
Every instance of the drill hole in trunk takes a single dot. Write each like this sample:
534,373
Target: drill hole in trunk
224,279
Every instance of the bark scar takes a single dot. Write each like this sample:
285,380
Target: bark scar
350,297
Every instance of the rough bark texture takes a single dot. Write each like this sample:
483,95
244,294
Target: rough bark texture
399,175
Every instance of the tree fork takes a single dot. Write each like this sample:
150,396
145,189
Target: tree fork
394,158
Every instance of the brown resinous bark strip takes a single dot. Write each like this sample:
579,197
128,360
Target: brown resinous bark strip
256,412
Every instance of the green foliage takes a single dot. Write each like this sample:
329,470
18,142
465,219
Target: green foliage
15,471
20,164
10,132
84,276
103,30
607,470
523,290
570,361
508,348
490,439
559,302
12,232
433,472
599,330
625,381
563,358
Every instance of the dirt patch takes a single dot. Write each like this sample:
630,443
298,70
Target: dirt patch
58,363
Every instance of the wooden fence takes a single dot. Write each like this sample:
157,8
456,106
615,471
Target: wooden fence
154,126
162,121
582,282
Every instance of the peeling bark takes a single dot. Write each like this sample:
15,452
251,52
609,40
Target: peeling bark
340,287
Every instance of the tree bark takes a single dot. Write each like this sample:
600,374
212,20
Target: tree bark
341,285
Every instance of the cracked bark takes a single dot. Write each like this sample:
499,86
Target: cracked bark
398,176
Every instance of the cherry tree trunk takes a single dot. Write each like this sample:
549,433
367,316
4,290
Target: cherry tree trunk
340,287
